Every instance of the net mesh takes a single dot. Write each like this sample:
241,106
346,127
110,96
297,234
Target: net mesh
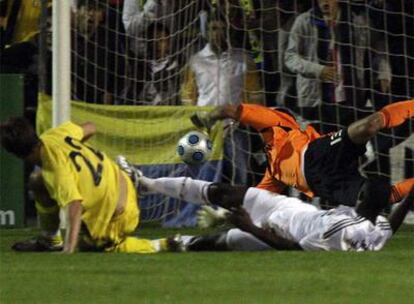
328,69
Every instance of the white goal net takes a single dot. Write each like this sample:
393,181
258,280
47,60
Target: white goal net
141,67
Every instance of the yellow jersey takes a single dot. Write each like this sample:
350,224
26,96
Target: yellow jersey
73,171
27,21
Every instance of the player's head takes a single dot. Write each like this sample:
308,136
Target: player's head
159,40
93,4
18,137
328,7
218,33
90,14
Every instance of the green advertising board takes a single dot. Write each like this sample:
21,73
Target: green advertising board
11,168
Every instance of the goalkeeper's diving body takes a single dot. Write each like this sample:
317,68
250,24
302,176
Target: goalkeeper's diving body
100,199
319,165
267,220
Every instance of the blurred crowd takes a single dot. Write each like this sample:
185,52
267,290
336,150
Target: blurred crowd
329,61
320,58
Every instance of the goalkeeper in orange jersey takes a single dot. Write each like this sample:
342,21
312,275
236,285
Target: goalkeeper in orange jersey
319,165
100,198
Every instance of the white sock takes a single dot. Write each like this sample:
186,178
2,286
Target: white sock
157,245
186,239
184,188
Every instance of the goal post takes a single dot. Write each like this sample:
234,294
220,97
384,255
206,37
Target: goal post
61,49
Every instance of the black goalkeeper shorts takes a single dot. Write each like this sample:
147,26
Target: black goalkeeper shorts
331,168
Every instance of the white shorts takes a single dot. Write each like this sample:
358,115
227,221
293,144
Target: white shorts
336,229
261,205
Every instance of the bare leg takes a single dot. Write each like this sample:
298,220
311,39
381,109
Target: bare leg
47,208
226,196
374,197
398,214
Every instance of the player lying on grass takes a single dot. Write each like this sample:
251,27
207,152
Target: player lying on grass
324,166
267,220
99,197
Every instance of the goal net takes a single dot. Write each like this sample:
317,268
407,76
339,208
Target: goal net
140,68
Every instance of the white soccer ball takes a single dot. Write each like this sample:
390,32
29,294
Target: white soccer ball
194,148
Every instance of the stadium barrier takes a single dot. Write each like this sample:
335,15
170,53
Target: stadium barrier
147,136
11,168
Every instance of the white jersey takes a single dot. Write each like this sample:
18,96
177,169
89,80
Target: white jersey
313,229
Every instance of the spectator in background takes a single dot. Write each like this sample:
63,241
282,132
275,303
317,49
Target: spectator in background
255,26
19,43
399,24
162,86
219,75
98,49
262,21
396,20
236,14
19,20
181,17
287,11
3,23
337,56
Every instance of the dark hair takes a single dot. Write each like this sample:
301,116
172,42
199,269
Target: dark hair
150,34
18,136
217,14
93,4
155,27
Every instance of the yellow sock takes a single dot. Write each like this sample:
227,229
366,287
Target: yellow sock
48,217
135,245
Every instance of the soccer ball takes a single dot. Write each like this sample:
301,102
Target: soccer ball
194,148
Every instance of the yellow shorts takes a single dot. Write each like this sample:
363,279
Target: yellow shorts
125,223
121,227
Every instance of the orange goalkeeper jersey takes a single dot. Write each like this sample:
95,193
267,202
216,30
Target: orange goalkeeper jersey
285,142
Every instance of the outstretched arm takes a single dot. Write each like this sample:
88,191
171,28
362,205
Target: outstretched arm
89,129
398,214
256,116
137,18
241,219
72,233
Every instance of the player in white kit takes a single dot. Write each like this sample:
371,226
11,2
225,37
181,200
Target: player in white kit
272,220
267,220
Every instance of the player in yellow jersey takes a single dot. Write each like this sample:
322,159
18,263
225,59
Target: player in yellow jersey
100,198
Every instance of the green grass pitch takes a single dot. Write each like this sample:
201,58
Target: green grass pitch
233,277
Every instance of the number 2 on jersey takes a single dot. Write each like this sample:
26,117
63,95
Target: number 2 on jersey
73,155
